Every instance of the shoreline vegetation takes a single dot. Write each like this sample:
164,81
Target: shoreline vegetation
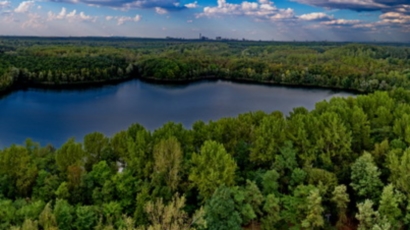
65,63
342,165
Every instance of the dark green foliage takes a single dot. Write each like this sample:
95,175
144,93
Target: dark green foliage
277,171
220,211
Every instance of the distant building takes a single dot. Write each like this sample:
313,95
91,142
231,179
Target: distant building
218,38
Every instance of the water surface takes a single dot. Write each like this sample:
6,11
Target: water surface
53,116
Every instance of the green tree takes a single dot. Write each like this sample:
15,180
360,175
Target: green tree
399,164
172,216
69,154
272,210
389,206
85,217
212,167
220,211
341,199
167,161
365,177
47,219
268,139
63,212
314,216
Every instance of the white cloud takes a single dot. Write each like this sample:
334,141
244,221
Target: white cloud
34,21
24,7
315,17
4,4
160,10
263,9
341,22
192,5
123,19
395,18
71,16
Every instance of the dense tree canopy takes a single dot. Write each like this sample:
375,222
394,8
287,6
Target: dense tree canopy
343,165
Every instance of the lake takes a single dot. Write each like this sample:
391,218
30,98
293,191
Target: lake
53,116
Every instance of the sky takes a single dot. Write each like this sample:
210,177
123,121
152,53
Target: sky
281,20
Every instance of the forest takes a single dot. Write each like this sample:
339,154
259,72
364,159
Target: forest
58,62
343,165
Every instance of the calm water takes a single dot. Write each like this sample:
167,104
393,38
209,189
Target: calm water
51,116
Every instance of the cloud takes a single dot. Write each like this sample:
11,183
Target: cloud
357,5
24,7
160,10
170,5
34,21
315,17
395,18
192,5
123,19
341,22
71,16
4,4
262,10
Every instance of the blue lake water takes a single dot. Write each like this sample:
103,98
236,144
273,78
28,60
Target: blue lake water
53,116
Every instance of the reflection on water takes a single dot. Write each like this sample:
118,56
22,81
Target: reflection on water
51,116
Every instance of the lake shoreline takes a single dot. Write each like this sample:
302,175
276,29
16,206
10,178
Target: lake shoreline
103,83
53,116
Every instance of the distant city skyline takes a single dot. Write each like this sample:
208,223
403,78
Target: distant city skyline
282,20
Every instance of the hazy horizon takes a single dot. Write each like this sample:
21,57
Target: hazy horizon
285,20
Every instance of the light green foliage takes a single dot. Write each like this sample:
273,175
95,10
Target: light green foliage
138,157
365,177
334,143
62,191
16,166
112,212
399,164
402,127
220,211
254,197
30,210
370,219
269,137
272,210
389,205
314,211
97,149
47,219
7,213
366,215
85,217
167,161
324,180
341,198
171,216
64,214
29,224
212,167
69,154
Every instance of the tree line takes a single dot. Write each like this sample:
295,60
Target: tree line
57,61
342,165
